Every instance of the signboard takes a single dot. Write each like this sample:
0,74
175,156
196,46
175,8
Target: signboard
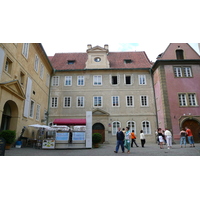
78,136
2,146
48,144
62,136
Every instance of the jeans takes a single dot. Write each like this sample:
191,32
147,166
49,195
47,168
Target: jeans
190,139
120,143
183,141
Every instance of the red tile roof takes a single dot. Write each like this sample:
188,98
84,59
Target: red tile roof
116,59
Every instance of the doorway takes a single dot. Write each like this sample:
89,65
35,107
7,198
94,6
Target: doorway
99,128
194,126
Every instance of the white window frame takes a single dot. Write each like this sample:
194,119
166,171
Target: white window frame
182,99
31,110
80,80
146,100
187,71
82,99
55,80
68,80
37,117
146,129
118,80
142,79
25,50
66,99
54,102
132,126
99,98
128,96
115,128
125,75
97,80
178,72
41,71
36,63
114,98
192,99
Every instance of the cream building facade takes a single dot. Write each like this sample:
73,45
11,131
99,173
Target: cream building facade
25,72
116,86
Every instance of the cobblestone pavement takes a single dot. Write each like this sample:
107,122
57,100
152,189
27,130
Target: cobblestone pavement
108,150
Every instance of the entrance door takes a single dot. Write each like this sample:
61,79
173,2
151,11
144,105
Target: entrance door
194,126
99,128
5,123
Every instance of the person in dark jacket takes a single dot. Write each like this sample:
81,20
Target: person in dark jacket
120,140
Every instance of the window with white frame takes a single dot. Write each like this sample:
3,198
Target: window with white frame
67,102
97,80
97,101
8,66
132,126
129,101
80,80
178,72
128,79
187,71
187,99
183,71
115,101
36,64
54,102
80,101
25,50
68,80
182,100
192,99
144,100
146,127
114,80
115,126
55,81
41,71
142,79
38,112
31,112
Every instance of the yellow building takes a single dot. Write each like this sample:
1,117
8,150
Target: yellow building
25,73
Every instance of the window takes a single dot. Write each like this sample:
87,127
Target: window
97,80
97,59
55,81
179,54
71,62
22,78
128,79
142,79
36,66
41,71
182,71
38,112
114,80
8,66
97,101
80,80
47,80
192,99
127,61
54,102
146,127
67,102
115,126
31,113
115,101
80,101
144,101
68,80
129,101
25,50
182,100
132,126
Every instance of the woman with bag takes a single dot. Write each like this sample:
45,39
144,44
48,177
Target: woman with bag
127,139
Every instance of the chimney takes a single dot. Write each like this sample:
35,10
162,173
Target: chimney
106,46
89,46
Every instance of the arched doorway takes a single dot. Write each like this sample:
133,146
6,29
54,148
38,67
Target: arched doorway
9,116
99,128
194,125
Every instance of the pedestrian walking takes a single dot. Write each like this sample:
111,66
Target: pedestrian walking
120,140
168,136
183,135
142,138
161,140
133,139
190,137
127,140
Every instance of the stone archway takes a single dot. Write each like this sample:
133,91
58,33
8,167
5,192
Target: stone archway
194,125
9,116
99,128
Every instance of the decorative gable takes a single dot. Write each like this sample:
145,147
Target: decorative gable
14,88
98,112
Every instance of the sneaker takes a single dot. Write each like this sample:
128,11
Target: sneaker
115,151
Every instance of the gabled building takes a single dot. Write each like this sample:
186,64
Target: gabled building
25,72
116,86
176,75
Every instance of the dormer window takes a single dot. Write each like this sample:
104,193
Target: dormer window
97,59
179,54
127,61
71,62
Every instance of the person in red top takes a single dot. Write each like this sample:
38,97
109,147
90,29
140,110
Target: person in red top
133,138
190,137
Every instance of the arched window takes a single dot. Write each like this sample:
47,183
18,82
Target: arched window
115,126
132,126
146,127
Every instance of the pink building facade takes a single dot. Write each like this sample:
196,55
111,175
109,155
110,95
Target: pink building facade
176,76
